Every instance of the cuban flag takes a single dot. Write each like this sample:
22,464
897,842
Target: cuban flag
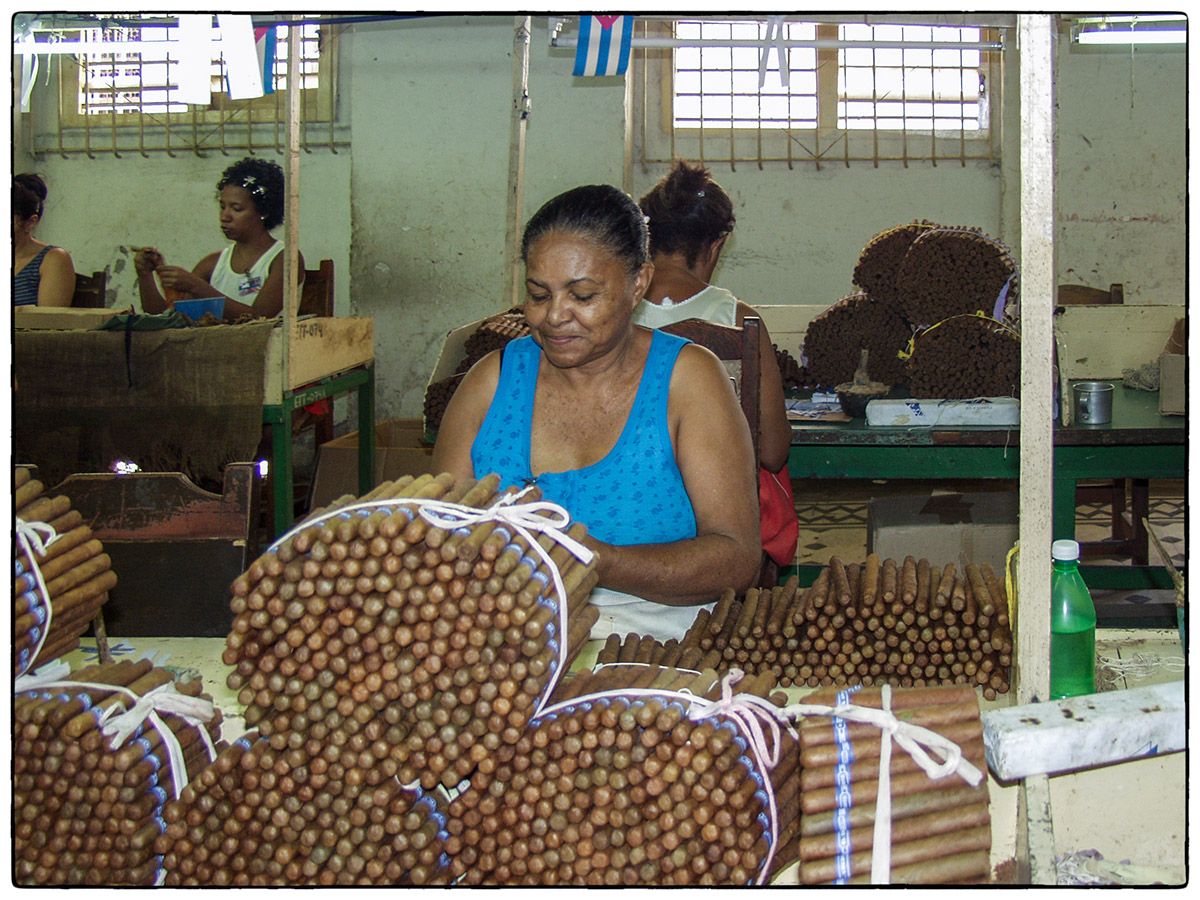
604,43
264,43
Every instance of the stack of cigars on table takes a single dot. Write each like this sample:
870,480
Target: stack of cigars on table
410,669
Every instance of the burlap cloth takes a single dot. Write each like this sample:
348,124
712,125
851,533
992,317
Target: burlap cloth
181,400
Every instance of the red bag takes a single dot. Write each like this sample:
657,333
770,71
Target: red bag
777,516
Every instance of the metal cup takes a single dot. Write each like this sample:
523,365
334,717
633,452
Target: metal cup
1093,402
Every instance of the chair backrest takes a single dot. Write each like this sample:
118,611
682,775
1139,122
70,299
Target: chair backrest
316,294
89,290
732,344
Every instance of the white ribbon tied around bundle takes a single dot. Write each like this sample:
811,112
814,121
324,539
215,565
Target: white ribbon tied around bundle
118,723
920,743
749,711
29,536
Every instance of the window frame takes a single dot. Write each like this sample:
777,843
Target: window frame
824,144
318,103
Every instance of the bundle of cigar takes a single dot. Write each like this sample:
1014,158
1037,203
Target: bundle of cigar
83,812
795,377
953,270
77,572
964,357
908,624
294,810
875,271
835,339
941,831
450,637
619,790
492,334
437,398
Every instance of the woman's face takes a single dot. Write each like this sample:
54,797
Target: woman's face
240,218
579,297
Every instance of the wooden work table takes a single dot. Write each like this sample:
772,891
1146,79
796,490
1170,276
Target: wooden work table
1138,443
71,375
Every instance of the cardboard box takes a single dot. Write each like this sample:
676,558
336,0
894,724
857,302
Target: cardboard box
945,528
400,449
453,352
1172,384
999,411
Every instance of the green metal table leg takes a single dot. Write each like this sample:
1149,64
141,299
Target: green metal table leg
366,432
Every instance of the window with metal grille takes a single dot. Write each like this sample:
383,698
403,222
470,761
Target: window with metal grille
141,83
910,92
128,100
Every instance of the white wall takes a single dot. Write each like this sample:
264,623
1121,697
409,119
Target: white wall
414,212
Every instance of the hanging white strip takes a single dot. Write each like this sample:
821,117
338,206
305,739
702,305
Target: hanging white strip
242,71
29,70
192,58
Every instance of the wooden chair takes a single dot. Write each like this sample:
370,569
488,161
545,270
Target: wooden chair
316,293
316,299
175,548
89,290
731,344
740,346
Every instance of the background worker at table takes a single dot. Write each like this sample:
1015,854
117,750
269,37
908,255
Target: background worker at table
636,433
248,272
42,273
690,218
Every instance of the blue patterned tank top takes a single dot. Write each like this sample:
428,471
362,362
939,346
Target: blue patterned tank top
635,494
29,279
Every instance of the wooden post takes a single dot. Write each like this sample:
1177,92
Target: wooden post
1036,43
291,212
516,154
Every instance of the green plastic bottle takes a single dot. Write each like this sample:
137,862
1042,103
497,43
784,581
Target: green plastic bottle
1072,626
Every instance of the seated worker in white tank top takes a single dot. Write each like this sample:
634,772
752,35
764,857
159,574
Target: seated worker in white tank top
248,273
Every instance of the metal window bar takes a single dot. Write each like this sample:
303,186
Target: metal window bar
146,111
895,102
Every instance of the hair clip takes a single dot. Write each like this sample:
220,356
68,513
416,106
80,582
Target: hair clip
250,183
700,193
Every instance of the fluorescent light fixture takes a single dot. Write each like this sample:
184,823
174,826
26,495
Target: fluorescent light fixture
1132,29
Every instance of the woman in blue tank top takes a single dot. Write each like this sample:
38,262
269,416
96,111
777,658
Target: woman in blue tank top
637,434
43,275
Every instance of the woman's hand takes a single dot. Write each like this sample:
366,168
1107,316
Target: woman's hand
146,260
182,281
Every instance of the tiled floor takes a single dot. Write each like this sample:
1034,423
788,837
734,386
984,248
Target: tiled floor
833,516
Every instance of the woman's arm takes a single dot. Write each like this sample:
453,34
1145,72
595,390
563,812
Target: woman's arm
716,459
775,431
56,279
463,417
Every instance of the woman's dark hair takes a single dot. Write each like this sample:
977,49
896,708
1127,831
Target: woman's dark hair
688,211
599,211
263,181
28,195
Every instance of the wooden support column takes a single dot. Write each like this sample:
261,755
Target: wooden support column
516,155
1036,45
1031,669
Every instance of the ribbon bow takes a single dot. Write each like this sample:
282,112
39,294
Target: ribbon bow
121,723
914,740
748,711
